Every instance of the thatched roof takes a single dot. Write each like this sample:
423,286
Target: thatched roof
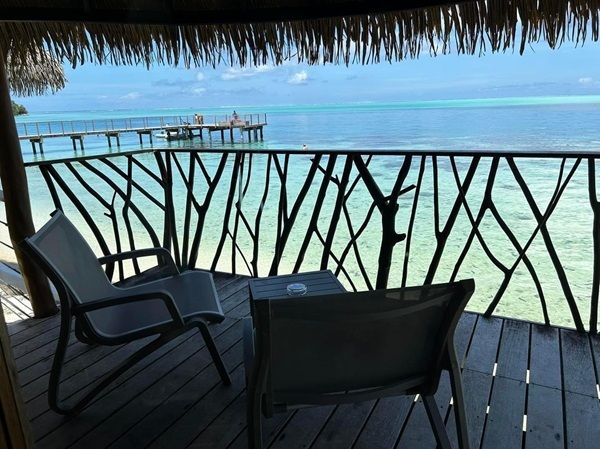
34,76
199,32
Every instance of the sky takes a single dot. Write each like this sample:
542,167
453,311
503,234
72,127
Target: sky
540,71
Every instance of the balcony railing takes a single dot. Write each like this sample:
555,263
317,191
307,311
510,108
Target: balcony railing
525,226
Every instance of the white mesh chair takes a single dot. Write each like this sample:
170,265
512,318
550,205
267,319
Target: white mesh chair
349,347
106,314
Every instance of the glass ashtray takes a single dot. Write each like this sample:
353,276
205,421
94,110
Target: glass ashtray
296,289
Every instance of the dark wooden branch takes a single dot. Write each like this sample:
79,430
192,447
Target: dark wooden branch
314,219
443,234
337,209
228,206
370,183
147,170
595,205
389,236
411,221
238,209
542,228
138,187
336,260
109,206
352,244
83,211
190,200
51,188
475,223
203,168
125,212
116,189
261,206
212,186
288,223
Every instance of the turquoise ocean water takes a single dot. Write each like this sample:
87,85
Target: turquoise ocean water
529,125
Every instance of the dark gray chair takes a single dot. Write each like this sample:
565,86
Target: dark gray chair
349,347
106,314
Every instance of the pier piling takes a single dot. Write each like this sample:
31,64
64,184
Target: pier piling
40,143
80,139
109,136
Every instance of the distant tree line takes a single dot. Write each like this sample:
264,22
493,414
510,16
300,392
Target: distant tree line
18,109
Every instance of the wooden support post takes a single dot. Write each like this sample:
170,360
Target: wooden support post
16,201
231,134
14,426
255,134
261,133
80,138
249,136
201,137
118,140
33,146
109,141
222,136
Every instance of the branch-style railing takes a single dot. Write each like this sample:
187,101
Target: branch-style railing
526,227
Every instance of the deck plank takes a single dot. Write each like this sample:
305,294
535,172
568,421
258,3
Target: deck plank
383,426
544,362
582,418
477,387
513,356
483,350
165,402
578,366
344,426
545,428
303,428
504,426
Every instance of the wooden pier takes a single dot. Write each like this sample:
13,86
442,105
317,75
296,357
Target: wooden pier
173,127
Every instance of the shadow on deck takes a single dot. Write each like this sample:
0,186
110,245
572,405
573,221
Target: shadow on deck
527,386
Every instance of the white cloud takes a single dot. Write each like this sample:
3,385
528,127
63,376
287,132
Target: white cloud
246,72
131,96
298,78
198,90
586,80
200,76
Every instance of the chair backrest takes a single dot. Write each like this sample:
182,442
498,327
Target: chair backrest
66,258
322,345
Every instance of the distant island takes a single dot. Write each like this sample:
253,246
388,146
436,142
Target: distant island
18,109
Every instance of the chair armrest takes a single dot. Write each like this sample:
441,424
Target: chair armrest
161,253
112,301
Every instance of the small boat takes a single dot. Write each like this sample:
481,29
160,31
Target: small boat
171,134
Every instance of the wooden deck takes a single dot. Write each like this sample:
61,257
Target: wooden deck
517,376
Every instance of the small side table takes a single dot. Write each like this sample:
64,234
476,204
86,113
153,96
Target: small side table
317,283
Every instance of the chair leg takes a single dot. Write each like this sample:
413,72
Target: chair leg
214,352
253,418
54,385
458,402
437,423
